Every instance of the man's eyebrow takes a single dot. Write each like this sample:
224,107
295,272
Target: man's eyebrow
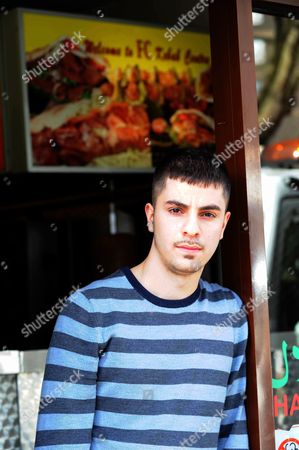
202,208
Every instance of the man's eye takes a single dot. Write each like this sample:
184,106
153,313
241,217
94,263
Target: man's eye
174,210
208,214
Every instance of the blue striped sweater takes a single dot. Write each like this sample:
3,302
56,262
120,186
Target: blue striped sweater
127,370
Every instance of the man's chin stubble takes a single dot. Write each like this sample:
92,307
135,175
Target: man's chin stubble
192,268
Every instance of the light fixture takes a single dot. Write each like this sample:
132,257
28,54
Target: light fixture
258,19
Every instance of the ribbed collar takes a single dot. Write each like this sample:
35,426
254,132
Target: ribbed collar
168,303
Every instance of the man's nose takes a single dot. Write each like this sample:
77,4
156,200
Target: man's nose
191,225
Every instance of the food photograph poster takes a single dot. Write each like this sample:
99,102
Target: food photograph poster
113,95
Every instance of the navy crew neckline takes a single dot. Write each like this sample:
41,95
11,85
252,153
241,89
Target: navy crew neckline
159,301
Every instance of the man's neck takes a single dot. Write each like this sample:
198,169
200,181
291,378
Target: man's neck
160,281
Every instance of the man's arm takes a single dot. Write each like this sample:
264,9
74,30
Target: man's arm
233,429
68,397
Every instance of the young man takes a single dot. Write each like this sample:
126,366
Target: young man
153,357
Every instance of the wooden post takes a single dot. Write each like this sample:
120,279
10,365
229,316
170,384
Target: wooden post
243,260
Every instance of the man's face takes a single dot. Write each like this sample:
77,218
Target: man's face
187,215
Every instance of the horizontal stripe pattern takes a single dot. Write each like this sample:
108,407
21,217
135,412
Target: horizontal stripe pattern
170,346
164,376
127,371
161,438
160,391
131,422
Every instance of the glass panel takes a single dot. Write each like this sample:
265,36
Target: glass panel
276,45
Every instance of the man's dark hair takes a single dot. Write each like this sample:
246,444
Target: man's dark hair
194,166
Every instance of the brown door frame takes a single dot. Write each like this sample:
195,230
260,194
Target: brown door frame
243,250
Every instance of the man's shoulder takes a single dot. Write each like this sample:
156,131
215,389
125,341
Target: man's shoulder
217,292
104,287
87,298
109,280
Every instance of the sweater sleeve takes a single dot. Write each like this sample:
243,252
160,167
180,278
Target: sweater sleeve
68,395
233,430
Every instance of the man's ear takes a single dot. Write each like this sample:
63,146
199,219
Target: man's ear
149,211
225,221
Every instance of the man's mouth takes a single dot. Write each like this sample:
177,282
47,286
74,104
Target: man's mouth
193,248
